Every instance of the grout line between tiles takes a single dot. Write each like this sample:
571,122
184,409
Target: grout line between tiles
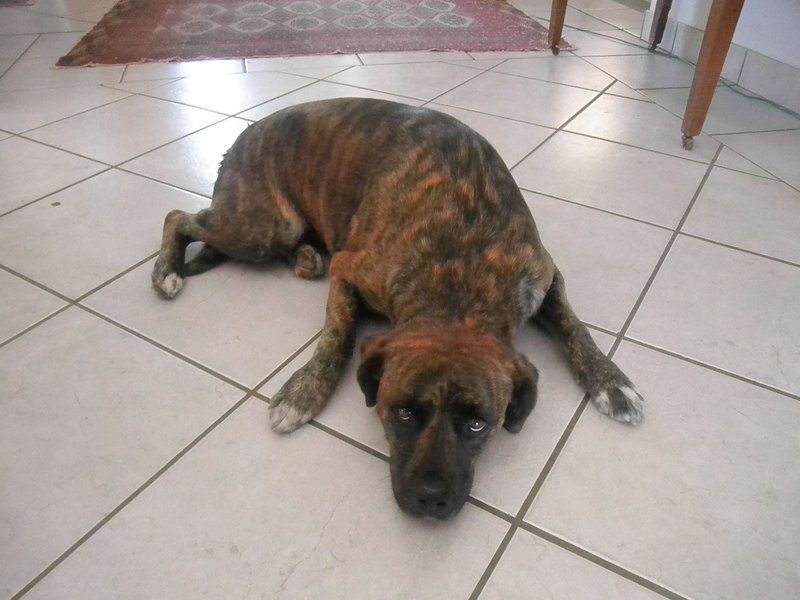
563,125
478,73
122,77
664,254
249,393
596,208
164,348
711,367
537,485
16,60
34,325
22,134
746,251
601,562
129,499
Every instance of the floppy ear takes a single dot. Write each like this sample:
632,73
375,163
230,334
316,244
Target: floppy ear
371,367
523,396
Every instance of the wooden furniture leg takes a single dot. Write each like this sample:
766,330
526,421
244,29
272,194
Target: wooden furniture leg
716,41
660,15
558,9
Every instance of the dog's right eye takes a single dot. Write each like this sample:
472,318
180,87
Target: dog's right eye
404,414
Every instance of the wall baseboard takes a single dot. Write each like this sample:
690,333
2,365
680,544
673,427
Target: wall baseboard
762,75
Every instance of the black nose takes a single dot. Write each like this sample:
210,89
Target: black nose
432,498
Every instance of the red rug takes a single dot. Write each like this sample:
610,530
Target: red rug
164,30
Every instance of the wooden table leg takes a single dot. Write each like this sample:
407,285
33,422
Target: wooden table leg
557,12
660,15
716,41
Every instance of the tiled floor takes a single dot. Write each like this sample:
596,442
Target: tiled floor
135,457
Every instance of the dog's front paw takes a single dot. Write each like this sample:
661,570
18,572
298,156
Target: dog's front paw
621,402
169,285
298,401
166,281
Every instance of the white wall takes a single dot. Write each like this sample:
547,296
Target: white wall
769,27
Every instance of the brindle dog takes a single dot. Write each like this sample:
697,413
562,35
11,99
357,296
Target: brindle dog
424,225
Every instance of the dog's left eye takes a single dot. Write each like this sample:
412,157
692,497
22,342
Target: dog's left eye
477,425
404,414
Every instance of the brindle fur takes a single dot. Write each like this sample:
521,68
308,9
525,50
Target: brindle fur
424,225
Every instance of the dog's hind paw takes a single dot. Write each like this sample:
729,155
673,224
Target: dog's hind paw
169,285
621,403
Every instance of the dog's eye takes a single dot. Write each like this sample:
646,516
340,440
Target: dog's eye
404,414
477,425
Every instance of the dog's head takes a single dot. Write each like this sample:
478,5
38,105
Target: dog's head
440,393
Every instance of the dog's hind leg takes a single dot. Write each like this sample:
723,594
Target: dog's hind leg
610,390
207,258
180,228
308,390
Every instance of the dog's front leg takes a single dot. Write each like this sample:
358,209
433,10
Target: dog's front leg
609,388
305,394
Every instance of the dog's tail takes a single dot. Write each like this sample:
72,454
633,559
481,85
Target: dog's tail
207,258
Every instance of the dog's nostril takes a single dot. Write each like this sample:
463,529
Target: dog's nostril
421,501
441,504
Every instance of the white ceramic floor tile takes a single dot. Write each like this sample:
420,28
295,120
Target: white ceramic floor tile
624,18
701,497
125,129
576,18
604,43
192,162
22,21
240,320
69,8
748,212
319,91
381,58
411,80
53,45
4,135
726,308
230,94
5,65
304,516
777,151
625,180
22,305
538,102
21,110
510,463
12,46
729,111
197,68
646,71
559,69
512,139
642,124
282,63
138,87
44,170
63,461
478,63
86,234
40,74
606,260
533,568
620,89
732,160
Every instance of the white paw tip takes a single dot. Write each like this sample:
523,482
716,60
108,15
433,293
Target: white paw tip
284,418
171,285
602,402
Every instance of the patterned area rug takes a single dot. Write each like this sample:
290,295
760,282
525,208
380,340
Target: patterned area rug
163,30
